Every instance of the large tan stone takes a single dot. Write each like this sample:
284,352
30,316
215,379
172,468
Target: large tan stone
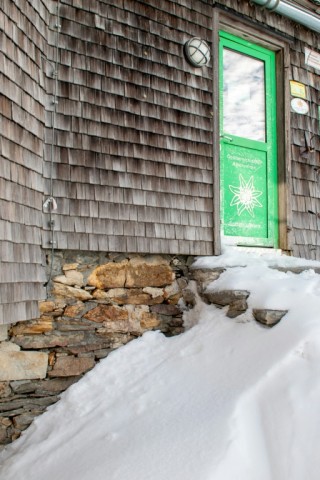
74,310
120,320
131,325
128,296
71,277
149,272
5,421
124,296
136,313
23,365
102,295
110,275
70,366
121,326
70,266
171,290
41,325
149,321
46,306
154,292
59,304
103,313
173,293
60,290
9,347
174,300
139,272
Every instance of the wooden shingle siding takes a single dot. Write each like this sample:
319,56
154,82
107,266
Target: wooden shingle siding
305,162
127,150
134,124
133,162
24,310
22,117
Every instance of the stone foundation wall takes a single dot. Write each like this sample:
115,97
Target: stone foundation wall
96,303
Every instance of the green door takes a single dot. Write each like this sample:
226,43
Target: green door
248,162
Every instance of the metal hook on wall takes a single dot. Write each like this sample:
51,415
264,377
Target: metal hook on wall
309,148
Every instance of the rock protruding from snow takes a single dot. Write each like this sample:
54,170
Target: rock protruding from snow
236,299
268,317
205,276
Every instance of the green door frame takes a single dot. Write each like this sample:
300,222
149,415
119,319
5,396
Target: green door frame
263,153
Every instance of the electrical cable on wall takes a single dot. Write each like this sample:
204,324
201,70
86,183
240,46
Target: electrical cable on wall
50,204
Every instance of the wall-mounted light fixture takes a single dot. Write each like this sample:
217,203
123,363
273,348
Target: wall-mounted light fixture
197,52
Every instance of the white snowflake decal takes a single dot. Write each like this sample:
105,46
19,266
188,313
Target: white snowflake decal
245,196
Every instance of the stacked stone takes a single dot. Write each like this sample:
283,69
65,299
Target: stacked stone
92,310
235,300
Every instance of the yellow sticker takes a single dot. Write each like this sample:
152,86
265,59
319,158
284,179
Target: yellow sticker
298,89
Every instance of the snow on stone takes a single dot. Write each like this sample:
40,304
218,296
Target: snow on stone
226,400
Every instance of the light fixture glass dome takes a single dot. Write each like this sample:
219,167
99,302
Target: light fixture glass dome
197,52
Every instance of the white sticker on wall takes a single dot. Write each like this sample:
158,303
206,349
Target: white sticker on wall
299,106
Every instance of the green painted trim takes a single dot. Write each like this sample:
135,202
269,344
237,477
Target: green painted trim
269,146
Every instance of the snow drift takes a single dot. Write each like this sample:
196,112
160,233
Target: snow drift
226,400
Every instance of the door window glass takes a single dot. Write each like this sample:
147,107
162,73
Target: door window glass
243,96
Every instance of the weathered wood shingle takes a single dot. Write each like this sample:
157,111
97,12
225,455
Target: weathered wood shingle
133,128
21,163
127,150
305,156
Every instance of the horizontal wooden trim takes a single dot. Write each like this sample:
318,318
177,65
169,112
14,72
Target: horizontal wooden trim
246,28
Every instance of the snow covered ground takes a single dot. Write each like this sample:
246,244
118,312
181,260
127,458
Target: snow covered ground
226,400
